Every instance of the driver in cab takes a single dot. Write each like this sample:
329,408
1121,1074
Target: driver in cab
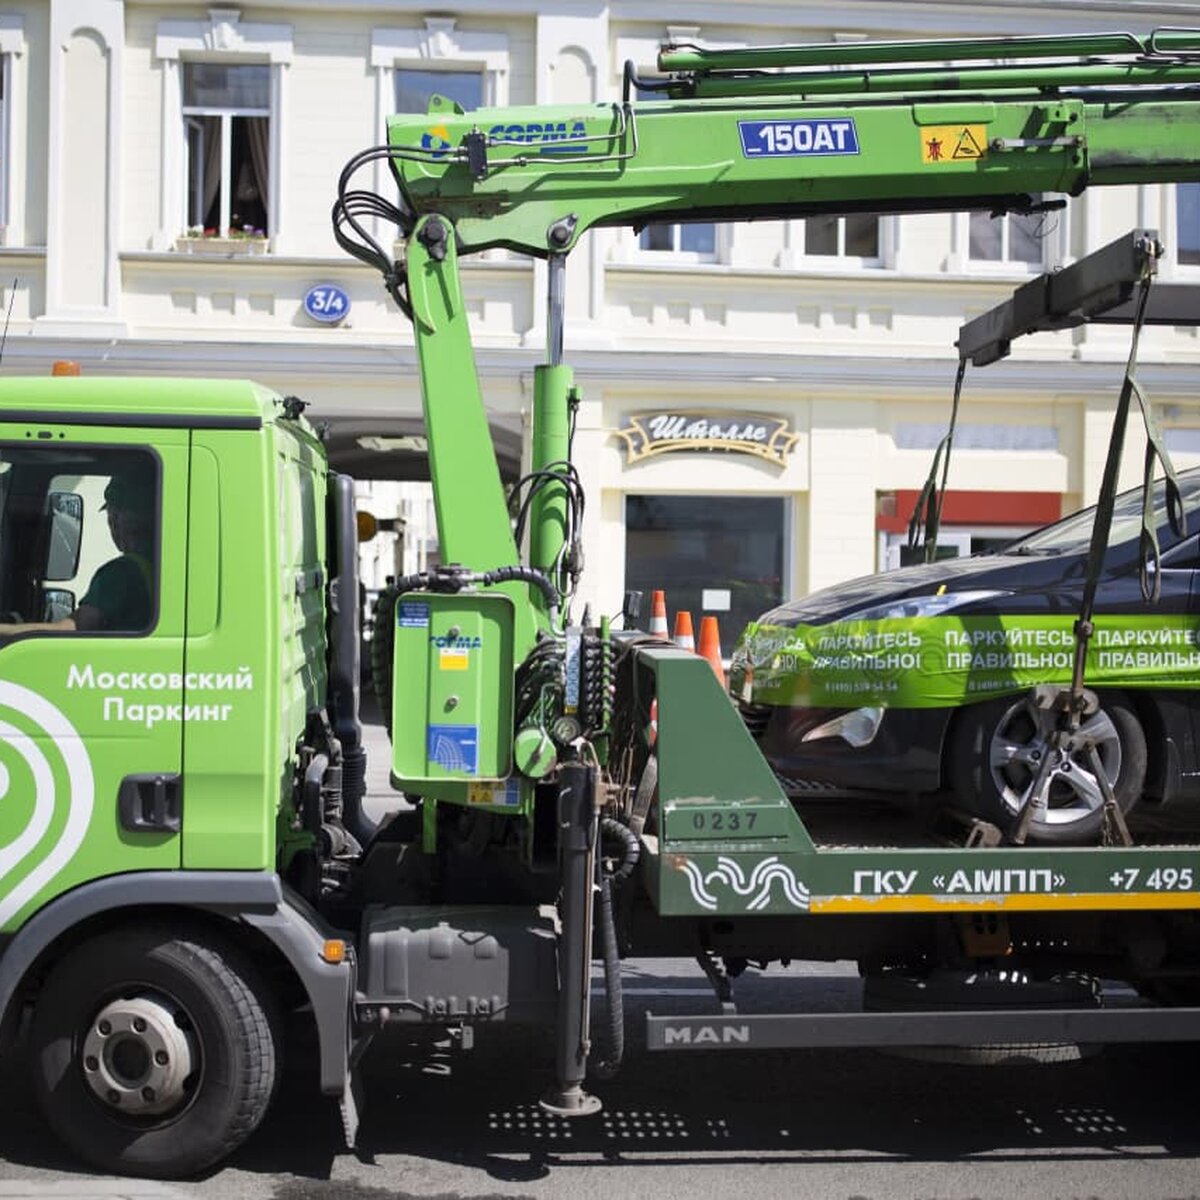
120,597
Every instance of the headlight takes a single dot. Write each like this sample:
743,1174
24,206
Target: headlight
923,606
858,727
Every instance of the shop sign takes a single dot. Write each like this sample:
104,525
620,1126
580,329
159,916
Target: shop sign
648,434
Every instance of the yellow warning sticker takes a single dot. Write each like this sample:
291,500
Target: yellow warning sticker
503,793
952,143
450,658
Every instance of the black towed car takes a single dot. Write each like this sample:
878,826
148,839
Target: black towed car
918,680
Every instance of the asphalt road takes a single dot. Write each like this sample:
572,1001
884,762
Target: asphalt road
444,1123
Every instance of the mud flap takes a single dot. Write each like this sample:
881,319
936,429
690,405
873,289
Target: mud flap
351,1105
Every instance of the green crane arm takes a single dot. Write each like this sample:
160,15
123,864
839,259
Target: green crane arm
802,130
872,127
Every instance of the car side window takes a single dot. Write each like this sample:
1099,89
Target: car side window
79,533
1185,556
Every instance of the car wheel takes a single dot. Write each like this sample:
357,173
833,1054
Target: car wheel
153,1054
996,747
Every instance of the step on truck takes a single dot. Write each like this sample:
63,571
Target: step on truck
187,871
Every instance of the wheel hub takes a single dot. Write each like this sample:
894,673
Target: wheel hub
137,1055
1023,738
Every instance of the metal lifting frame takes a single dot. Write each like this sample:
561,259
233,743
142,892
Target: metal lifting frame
1099,288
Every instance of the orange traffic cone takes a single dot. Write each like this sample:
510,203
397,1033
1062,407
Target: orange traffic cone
710,646
685,639
658,615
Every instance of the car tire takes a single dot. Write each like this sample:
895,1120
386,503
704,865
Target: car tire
992,760
153,1054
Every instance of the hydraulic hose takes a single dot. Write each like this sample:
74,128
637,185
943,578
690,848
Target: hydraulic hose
457,580
525,575
609,1062
629,844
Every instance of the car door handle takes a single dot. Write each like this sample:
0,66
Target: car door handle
151,803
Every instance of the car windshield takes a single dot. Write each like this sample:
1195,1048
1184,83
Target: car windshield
1073,534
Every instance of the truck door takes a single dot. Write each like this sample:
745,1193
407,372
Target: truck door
92,550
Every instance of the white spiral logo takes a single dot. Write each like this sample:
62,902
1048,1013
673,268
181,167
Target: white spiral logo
53,728
728,872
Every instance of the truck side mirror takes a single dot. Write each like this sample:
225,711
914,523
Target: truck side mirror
366,524
57,603
65,536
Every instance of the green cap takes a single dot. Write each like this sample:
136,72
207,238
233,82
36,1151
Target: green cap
129,495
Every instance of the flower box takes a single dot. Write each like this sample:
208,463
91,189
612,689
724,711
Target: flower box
226,247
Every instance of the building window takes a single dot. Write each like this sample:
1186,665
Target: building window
12,50
1010,238
697,241
411,63
972,522
227,116
726,558
225,90
468,67
952,542
1187,223
831,236
5,69
414,87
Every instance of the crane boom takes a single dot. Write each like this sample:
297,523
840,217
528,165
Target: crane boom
733,140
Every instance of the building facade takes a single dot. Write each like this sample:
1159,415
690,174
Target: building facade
166,176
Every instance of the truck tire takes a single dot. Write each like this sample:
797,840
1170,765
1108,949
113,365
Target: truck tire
983,987
991,762
383,625
153,1054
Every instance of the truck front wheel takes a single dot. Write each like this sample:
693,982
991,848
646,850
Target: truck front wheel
153,1054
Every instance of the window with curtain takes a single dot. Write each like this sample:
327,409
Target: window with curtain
227,119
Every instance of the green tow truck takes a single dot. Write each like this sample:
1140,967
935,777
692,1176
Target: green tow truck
186,866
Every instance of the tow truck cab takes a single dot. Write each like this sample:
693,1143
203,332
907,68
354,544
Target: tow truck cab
188,724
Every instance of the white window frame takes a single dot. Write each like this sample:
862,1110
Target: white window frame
226,116
12,47
958,536
437,45
1168,216
455,68
795,251
1055,245
643,51
224,37
718,254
